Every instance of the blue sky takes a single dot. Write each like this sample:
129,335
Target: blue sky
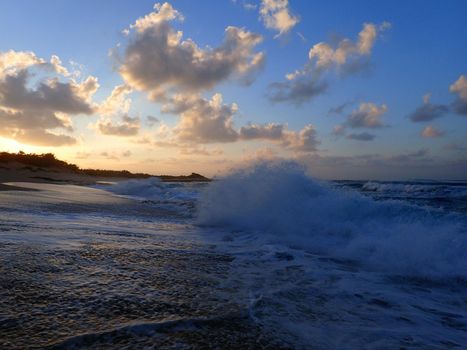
424,51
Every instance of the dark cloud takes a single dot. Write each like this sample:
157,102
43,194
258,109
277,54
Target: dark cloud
460,106
428,111
268,132
151,120
364,136
296,91
340,108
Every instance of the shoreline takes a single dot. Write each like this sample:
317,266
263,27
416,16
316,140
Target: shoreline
17,172
5,187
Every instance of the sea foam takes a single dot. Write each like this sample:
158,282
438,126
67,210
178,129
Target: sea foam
278,200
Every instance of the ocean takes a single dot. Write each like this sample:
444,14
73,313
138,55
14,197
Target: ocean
264,258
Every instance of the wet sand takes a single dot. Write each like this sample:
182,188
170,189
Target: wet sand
5,187
101,272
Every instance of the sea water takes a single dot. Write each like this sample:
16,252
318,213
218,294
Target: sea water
266,257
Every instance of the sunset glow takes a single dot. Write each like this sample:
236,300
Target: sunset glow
353,90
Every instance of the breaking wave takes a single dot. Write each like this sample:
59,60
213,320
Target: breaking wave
280,202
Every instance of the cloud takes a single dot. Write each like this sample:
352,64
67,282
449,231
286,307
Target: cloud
110,156
117,102
267,132
368,115
261,154
82,155
205,121
49,95
162,14
345,58
31,110
419,155
428,111
200,151
39,137
431,131
158,61
151,120
414,164
11,62
364,136
302,37
347,53
127,127
459,87
340,108
338,130
296,91
249,6
276,15
304,140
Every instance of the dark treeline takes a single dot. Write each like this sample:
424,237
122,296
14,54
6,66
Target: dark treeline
48,160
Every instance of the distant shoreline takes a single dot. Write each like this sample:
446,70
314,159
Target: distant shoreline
45,168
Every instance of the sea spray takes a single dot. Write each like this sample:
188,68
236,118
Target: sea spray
281,202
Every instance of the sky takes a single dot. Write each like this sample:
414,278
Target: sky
353,90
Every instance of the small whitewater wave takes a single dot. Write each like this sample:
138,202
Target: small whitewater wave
178,197
279,201
417,188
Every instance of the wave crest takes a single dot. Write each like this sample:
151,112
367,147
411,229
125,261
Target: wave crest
281,202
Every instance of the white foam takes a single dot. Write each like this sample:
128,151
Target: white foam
414,190
280,201
172,196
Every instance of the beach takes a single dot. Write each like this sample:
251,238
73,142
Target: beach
80,267
145,263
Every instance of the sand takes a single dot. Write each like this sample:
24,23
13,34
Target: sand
16,172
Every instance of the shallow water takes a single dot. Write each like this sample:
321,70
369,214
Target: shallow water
100,271
266,258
